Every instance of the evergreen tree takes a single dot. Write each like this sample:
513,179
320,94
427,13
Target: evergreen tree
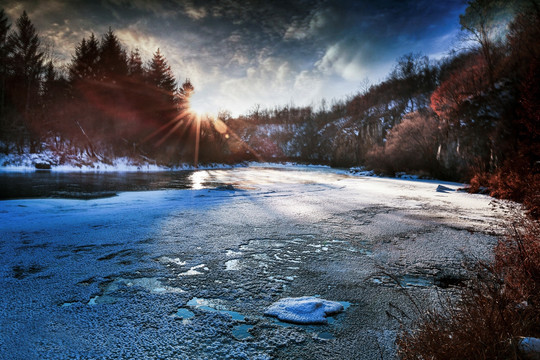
49,83
112,60
84,64
26,61
135,64
160,74
185,92
4,50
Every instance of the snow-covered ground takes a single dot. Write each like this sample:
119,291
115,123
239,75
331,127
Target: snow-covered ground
27,163
188,274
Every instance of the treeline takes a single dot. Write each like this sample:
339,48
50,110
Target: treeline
344,132
106,104
473,116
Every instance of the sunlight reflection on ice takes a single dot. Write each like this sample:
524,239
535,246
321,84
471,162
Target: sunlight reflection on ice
198,178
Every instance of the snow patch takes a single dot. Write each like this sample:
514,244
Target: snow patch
185,314
530,346
193,270
177,261
152,285
27,161
232,265
304,310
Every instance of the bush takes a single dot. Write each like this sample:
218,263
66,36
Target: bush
411,146
517,261
513,181
377,160
499,305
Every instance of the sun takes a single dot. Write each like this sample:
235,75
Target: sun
201,107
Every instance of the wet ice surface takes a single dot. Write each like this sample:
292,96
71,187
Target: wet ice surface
87,184
189,273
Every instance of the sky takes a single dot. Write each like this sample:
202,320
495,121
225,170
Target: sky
240,54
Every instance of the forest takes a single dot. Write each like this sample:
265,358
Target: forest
472,116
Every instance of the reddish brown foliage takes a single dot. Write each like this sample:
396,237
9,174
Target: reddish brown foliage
377,160
514,181
501,304
517,259
410,146
462,85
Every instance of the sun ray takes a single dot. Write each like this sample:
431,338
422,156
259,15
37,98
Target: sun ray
177,118
197,139
250,149
173,129
221,127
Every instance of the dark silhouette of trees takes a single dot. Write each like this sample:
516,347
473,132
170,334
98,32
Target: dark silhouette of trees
25,64
112,63
4,51
186,91
26,61
84,65
164,95
160,74
135,65
119,107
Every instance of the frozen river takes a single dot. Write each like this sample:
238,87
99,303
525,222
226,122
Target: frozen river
188,274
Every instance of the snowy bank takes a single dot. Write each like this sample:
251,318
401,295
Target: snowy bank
49,160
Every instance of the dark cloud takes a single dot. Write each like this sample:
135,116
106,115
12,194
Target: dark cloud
239,53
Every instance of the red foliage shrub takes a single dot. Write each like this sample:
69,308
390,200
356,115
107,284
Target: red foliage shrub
410,146
517,260
462,85
513,181
479,182
377,160
513,185
499,305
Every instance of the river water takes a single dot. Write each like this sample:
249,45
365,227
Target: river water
42,184
187,270
86,184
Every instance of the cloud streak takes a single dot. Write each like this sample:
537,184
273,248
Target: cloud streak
240,53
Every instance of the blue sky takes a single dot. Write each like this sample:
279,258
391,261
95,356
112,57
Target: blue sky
242,53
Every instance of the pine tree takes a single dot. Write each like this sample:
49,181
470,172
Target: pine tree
160,74
49,80
84,64
4,50
135,65
112,60
185,93
26,61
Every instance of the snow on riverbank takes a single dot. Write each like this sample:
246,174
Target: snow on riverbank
29,162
